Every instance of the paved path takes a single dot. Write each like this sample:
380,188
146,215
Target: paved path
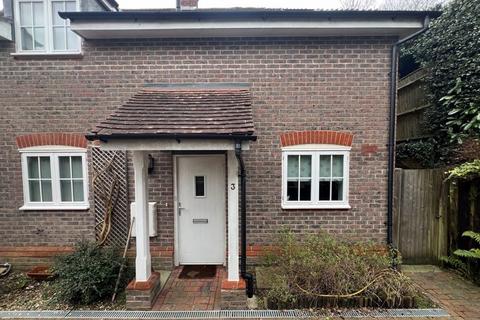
190,294
459,297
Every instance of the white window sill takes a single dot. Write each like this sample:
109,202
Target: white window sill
51,208
333,206
34,54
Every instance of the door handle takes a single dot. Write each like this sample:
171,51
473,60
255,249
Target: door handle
179,209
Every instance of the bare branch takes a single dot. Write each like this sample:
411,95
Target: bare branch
410,4
358,4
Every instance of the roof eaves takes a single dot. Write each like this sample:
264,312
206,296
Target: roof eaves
92,136
239,14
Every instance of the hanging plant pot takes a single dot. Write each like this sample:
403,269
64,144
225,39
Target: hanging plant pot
41,273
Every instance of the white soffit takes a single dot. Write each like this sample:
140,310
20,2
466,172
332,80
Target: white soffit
254,28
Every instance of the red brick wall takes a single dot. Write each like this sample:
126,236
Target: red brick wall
336,84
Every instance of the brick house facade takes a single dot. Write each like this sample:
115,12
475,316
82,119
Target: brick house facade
319,85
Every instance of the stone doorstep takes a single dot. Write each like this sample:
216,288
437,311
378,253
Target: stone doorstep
141,295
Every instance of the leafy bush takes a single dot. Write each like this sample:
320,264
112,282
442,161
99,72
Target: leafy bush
467,262
449,50
88,274
321,266
466,171
416,154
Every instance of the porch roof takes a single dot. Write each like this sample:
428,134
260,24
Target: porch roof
214,111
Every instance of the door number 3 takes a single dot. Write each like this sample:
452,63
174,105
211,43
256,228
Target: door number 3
232,186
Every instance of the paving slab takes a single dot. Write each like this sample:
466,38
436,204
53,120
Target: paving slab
458,296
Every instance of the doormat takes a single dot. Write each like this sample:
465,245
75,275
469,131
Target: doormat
198,272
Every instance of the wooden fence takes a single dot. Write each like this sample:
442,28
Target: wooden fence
411,106
430,214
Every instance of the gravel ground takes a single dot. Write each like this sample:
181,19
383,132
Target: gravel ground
19,292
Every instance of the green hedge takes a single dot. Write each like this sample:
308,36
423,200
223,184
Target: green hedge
450,51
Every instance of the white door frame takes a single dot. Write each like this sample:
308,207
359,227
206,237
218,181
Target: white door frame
175,204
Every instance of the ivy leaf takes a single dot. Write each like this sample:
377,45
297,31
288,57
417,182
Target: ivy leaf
454,111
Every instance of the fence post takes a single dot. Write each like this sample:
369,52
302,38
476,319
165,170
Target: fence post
452,216
397,202
442,249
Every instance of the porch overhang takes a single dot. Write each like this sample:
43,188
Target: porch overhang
183,117
201,116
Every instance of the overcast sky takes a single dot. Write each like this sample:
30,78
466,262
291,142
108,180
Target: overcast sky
302,4
308,4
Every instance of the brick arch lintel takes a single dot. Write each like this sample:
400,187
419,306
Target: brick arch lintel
292,138
51,139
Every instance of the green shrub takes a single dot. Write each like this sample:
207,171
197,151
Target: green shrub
320,266
467,262
465,171
88,274
449,50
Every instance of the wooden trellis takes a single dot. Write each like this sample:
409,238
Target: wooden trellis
110,179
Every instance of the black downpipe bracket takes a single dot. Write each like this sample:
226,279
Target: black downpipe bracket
249,279
391,130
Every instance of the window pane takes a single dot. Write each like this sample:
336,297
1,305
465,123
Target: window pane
70,6
292,166
57,6
34,190
73,40
46,190
199,186
38,14
45,167
59,38
77,190
26,14
305,166
325,166
66,190
27,38
64,167
337,166
305,190
32,164
337,190
39,38
292,191
77,167
324,191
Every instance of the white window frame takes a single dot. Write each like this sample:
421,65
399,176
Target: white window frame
315,150
49,50
54,152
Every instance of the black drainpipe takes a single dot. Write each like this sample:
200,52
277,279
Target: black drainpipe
391,132
249,279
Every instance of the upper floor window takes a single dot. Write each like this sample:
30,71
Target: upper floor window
54,178
39,28
315,176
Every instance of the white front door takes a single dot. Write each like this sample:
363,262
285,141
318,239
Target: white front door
201,209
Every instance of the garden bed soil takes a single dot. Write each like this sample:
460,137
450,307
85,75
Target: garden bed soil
19,292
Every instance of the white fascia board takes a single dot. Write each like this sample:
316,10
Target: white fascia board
254,28
5,30
171,145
